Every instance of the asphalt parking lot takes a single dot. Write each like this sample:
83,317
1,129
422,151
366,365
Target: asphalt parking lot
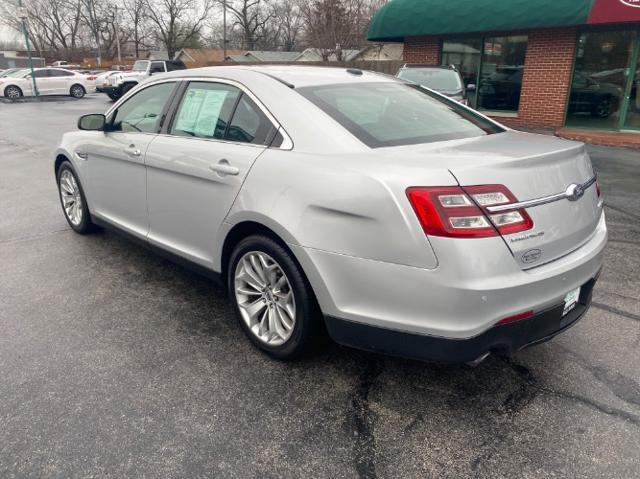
117,363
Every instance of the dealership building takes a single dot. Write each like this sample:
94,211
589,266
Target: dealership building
572,66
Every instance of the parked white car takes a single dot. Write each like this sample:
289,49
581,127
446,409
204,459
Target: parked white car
49,81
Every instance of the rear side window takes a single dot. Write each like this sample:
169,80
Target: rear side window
249,124
391,114
205,110
439,79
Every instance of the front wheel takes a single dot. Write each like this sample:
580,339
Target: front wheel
77,91
273,301
113,96
73,201
13,92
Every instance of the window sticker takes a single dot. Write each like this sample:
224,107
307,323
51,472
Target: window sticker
200,111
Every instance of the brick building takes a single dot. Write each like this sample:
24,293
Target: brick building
568,65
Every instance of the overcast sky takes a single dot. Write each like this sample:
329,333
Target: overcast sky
7,33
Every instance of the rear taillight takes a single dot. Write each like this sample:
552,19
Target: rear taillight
460,212
93,77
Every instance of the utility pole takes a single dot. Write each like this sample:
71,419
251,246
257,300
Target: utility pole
22,14
117,34
224,30
94,28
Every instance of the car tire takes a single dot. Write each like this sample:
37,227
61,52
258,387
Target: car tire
604,108
113,96
77,91
13,92
125,88
73,200
290,300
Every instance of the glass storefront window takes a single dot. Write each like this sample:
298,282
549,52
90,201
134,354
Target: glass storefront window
501,73
600,76
491,66
465,55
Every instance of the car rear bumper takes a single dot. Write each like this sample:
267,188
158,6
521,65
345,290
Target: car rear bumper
503,339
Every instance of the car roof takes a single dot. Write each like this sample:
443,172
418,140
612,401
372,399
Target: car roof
292,75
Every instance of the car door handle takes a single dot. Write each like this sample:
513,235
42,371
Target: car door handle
224,168
131,150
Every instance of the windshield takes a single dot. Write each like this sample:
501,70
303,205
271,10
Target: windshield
390,114
140,66
438,79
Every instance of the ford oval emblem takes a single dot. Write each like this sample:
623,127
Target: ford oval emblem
631,3
574,192
531,256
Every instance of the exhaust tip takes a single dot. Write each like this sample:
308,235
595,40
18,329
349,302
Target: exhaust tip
478,360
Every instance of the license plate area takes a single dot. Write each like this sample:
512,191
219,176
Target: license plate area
571,301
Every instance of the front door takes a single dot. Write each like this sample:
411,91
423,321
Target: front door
195,172
116,163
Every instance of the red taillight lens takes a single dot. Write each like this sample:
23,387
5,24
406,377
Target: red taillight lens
459,212
515,317
92,78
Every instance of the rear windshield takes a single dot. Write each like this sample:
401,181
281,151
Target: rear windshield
438,79
392,114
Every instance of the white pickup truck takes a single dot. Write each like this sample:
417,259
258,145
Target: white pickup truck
121,83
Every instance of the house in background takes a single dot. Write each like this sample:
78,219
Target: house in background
264,56
315,55
13,59
202,57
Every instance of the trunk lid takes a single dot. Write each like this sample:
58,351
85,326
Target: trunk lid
534,167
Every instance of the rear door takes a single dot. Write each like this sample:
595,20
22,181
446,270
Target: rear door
538,168
195,170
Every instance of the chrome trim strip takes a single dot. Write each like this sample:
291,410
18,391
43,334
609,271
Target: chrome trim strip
540,201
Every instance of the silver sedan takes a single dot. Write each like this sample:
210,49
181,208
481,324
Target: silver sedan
345,201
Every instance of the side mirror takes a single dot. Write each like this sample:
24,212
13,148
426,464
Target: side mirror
471,87
92,122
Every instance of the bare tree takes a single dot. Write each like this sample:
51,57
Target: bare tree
178,23
252,19
290,22
136,14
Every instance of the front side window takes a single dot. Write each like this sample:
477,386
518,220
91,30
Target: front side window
390,114
205,110
142,112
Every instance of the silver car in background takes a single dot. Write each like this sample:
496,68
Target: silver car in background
396,219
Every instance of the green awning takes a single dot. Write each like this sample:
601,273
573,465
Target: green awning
404,18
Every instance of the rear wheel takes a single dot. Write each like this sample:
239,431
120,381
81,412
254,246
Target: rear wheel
13,92
273,301
603,108
73,201
113,96
77,91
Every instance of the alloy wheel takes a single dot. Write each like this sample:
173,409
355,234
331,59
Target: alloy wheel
71,197
77,92
13,92
265,298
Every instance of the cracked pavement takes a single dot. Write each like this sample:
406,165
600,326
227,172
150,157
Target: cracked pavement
117,363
